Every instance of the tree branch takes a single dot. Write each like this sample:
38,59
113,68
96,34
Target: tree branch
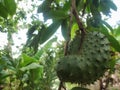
75,13
80,25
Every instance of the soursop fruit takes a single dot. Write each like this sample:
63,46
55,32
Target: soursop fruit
89,64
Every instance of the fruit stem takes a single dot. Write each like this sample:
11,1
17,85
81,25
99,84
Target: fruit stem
80,25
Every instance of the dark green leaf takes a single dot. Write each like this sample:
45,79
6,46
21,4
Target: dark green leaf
45,6
108,26
95,3
66,6
58,14
112,5
104,7
65,30
3,11
47,33
31,30
10,6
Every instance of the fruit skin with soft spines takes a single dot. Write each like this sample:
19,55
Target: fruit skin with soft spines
88,64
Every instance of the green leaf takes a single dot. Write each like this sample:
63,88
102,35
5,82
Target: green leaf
26,60
45,6
44,48
104,7
57,14
52,12
108,26
31,66
66,6
112,63
74,29
112,5
47,33
31,30
37,73
117,32
10,6
3,11
114,43
4,75
64,29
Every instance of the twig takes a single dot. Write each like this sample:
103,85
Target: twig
69,31
61,86
101,84
80,25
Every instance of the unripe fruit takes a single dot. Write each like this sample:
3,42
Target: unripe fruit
89,64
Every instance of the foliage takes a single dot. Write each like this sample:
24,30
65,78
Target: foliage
59,13
7,7
34,68
27,72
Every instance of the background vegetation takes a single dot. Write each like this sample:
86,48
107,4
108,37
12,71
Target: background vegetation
33,66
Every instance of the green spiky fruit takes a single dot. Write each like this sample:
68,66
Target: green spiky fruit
91,62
